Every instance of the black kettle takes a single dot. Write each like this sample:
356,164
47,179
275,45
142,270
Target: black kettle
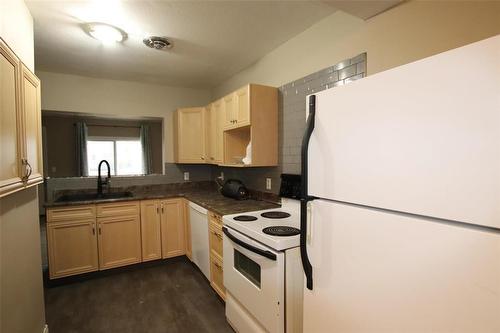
234,188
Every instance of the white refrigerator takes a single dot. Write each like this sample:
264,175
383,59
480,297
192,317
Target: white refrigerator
400,216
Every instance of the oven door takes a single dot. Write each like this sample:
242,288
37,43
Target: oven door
255,276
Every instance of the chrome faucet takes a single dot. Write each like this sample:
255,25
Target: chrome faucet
100,181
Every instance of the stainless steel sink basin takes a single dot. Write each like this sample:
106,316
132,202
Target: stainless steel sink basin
94,196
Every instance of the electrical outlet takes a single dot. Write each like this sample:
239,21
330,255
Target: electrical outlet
186,175
221,175
268,183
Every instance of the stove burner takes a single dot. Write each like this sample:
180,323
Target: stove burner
275,215
244,218
281,231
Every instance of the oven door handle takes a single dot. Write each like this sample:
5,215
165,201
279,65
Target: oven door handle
264,253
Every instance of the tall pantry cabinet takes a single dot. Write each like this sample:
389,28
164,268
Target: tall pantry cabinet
20,124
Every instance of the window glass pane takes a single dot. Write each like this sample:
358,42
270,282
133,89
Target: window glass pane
98,151
246,266
129,157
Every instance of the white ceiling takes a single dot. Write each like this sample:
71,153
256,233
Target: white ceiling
213,40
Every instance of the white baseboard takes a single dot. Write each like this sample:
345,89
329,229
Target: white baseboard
46,329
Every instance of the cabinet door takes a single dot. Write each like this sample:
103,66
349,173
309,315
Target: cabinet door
217,276
10,122
218,109
215,237
172,228
31,111
187,229
72,247
119,241
242,106
229,111
191,135
150,230
212,133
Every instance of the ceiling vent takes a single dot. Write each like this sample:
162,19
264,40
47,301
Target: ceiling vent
158,43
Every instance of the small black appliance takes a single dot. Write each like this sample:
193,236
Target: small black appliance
234,188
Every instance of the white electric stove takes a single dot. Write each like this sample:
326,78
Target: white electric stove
277,228
263,274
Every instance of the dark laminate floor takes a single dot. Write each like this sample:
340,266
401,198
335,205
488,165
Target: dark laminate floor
171,297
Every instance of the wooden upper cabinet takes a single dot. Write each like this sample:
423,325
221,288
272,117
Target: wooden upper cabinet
256,125
215,129
191,135
220,133
150,229
242,110
172,228
237,108
31,111
229,105
10,122
20,124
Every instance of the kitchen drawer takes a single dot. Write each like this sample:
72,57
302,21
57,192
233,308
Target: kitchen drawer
126,208
216,276
215,218
215,240
71,213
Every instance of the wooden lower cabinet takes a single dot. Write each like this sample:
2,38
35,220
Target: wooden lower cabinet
187,229
72,247
172,228
217,276
216,253
119,241
151,230
215,240
86,238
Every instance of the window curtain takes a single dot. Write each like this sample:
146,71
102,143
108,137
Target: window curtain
81,149
147,164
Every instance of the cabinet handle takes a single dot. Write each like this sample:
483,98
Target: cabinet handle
29,170
93,228
162,208
100,230
203,157
157,210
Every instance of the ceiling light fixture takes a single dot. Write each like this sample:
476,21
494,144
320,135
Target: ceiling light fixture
157,43
105,33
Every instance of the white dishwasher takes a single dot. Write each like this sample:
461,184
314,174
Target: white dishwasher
199,238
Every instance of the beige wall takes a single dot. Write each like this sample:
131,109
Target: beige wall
21,290
62,92
22,304
408,32
16,28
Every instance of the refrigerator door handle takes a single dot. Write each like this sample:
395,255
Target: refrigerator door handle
305,198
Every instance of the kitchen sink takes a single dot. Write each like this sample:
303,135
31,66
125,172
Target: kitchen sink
94,196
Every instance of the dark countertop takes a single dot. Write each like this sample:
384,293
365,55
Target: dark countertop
205,196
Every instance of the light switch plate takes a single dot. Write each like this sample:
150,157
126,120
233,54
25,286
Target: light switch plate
268,183
186,175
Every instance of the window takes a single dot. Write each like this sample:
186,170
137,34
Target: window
124,156
246,266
